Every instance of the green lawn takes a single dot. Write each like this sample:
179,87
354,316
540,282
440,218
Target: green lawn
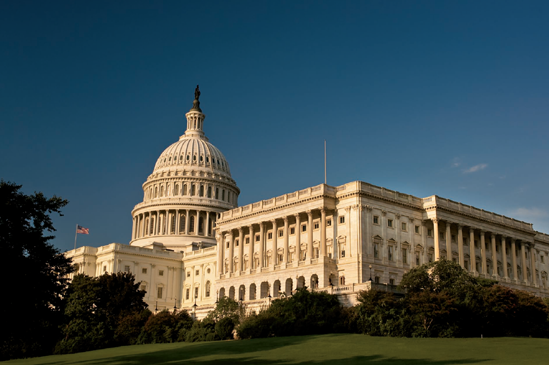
327,349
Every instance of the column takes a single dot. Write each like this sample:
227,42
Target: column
322,232
196,225
207,231
524,268
504,257
177,221
297,237
449,241
231,252
369,249
261,239
251,248
240,250
156,222
274,247
151,225
423,241
286,242
472,251
435,233
187,221
310,236
494,255
483,251
533,257
461,257
220,247
514,258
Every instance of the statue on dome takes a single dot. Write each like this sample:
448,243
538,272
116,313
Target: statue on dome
196,93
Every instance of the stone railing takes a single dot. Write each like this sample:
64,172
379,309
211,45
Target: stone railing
279,201
480,213
389,194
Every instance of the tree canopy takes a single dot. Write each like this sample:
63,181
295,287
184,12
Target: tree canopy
34,298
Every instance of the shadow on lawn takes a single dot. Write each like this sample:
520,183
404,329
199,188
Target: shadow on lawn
241,353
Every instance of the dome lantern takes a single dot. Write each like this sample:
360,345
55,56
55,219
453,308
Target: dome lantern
195,118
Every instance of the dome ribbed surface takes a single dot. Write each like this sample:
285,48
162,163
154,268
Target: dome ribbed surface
193,152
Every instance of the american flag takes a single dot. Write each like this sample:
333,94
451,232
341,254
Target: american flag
82,230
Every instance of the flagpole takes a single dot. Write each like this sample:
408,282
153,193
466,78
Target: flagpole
325,179
75,235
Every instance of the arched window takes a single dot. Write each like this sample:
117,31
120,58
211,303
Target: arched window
223,195
208,288
192,190
201,190
191,225
172,225
156,191
217,193
161,190
176,190
184,189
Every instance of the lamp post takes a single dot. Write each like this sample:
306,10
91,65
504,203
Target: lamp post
217,297
156,307
194,306
175,306
370,266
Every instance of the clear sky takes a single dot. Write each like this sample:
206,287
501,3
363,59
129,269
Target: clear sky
424,97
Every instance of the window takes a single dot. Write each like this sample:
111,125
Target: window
161,272
541,258
376,219
391,281
342,219
270,235
247,239
304,228
404,227
196,292
292,230
328,222
453,238
376,250
429,233
417,229
126,268
104,268
236,243
197,272
280,233
227,244
256,238
143,271
159,295
208,286
316,225
187,293
390,253
404,256
389,223
188,274
143,287
376,279
209,270
430,257
417,258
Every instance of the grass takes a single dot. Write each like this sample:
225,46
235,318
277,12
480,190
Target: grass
327,349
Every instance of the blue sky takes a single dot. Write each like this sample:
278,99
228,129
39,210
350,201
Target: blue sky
424,97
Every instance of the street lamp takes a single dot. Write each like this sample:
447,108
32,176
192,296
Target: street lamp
194,306
370,266
174,306
217,297
156,307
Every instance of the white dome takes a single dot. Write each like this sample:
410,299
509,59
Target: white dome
190,152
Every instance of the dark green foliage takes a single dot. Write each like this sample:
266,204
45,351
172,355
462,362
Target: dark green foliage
35,297
130,327
443,300
224,328
95,307
301,314
166,327
202,331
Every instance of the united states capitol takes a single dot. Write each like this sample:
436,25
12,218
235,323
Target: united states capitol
192,244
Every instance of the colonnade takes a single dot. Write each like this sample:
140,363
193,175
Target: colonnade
173,222
245,248
491,241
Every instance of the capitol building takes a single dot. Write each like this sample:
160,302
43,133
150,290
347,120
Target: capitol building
192,244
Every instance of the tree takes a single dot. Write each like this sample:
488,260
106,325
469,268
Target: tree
34,298
94,309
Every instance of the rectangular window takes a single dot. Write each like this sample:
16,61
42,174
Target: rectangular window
161,272
197,272
391,281
196,292
389,223
542,259
316,225
104,268
376,219
342,219
404,227
304,228
270,235
376,279
453,238
417,229
143,271
126,268
376,250
390,253
236,243
429,233
430,257
188,274
256,238
280,233
247,239
404,256
417,259
187,293
292,230
328,222
159,292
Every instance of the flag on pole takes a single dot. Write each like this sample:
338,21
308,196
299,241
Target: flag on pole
82,230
